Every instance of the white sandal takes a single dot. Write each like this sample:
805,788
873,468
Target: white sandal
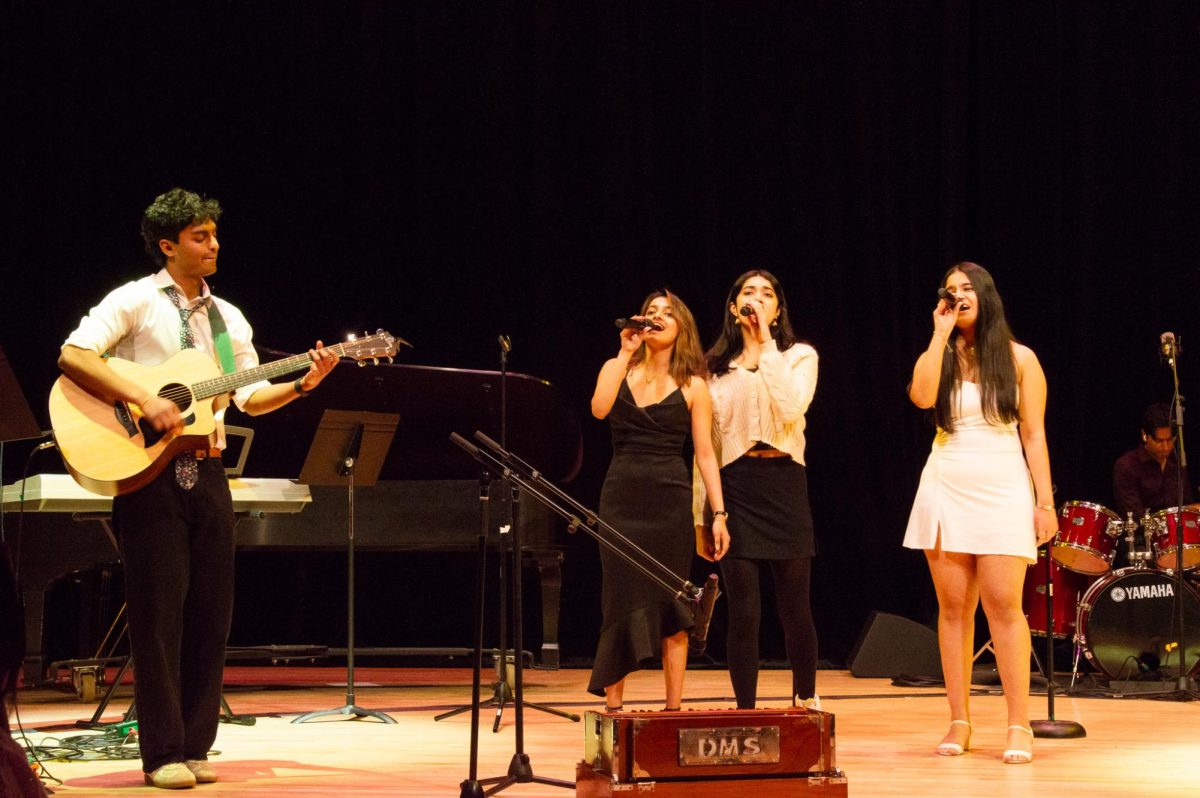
954,749
1019,756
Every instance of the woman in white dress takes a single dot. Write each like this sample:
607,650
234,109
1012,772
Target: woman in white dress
985,502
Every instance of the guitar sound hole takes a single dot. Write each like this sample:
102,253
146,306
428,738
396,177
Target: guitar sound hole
181,397
177,393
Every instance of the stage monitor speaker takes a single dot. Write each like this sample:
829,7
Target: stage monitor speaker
890,645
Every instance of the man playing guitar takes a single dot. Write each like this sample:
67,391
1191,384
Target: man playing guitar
176,531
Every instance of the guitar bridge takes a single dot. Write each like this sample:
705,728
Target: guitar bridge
124,417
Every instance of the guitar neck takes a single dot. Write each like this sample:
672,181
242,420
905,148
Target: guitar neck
227,383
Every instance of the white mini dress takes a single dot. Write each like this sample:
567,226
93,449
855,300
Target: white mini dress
975,488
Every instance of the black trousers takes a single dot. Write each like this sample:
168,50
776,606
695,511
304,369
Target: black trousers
744,602
177,546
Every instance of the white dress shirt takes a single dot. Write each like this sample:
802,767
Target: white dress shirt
139,322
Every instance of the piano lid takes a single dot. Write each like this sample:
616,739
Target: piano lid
432,402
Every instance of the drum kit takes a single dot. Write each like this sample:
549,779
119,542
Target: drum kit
1122,620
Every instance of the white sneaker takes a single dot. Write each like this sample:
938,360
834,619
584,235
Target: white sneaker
175,776
202,769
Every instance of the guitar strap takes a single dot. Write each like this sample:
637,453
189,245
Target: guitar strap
221,340
216,323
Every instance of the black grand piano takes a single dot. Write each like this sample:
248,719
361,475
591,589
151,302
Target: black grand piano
424,513
427,499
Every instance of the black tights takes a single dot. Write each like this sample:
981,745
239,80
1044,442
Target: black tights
741,587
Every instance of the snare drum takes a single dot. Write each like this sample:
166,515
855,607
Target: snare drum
1125,622
1067,586
1164,537
1087,537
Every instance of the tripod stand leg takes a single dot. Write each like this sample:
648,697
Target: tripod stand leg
227,715
552,711
108,695
347,711
452,712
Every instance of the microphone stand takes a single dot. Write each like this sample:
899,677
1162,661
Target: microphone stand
1055,729
1185,685
553,497
522,476
502,689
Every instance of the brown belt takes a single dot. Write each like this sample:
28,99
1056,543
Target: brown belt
204,454
766,453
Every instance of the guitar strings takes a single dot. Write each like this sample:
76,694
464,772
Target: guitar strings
182,395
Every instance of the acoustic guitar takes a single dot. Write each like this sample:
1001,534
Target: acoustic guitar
111,449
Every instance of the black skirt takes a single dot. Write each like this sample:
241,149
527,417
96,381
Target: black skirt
769,515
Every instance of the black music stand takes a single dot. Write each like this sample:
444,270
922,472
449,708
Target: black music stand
348,449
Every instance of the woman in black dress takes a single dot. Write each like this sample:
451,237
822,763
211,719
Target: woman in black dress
761,382
653,394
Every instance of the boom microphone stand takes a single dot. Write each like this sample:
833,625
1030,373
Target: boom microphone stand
1185,685
700,600
523,476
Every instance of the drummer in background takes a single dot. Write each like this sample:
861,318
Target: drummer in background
1147,478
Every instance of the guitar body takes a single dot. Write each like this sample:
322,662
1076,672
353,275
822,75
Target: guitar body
109,448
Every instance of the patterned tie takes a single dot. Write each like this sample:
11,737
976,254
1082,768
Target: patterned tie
186,469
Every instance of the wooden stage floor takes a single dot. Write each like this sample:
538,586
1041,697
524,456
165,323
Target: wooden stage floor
885,737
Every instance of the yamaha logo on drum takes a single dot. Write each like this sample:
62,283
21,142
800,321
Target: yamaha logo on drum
1132,592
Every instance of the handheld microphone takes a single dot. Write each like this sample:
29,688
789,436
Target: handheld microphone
1168,347
637,324
746,310
950,299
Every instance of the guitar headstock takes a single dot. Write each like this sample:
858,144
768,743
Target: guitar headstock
372,347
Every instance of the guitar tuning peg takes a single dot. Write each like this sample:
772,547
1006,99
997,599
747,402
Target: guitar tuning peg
362,363
375,361
390,359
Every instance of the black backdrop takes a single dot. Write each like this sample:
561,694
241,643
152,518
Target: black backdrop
452,171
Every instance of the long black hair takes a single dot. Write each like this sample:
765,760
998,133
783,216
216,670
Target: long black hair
729,343
997,370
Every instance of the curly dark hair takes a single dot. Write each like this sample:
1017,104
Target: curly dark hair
729,343
993,342
170,213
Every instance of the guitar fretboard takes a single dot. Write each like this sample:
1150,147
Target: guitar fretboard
228,383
